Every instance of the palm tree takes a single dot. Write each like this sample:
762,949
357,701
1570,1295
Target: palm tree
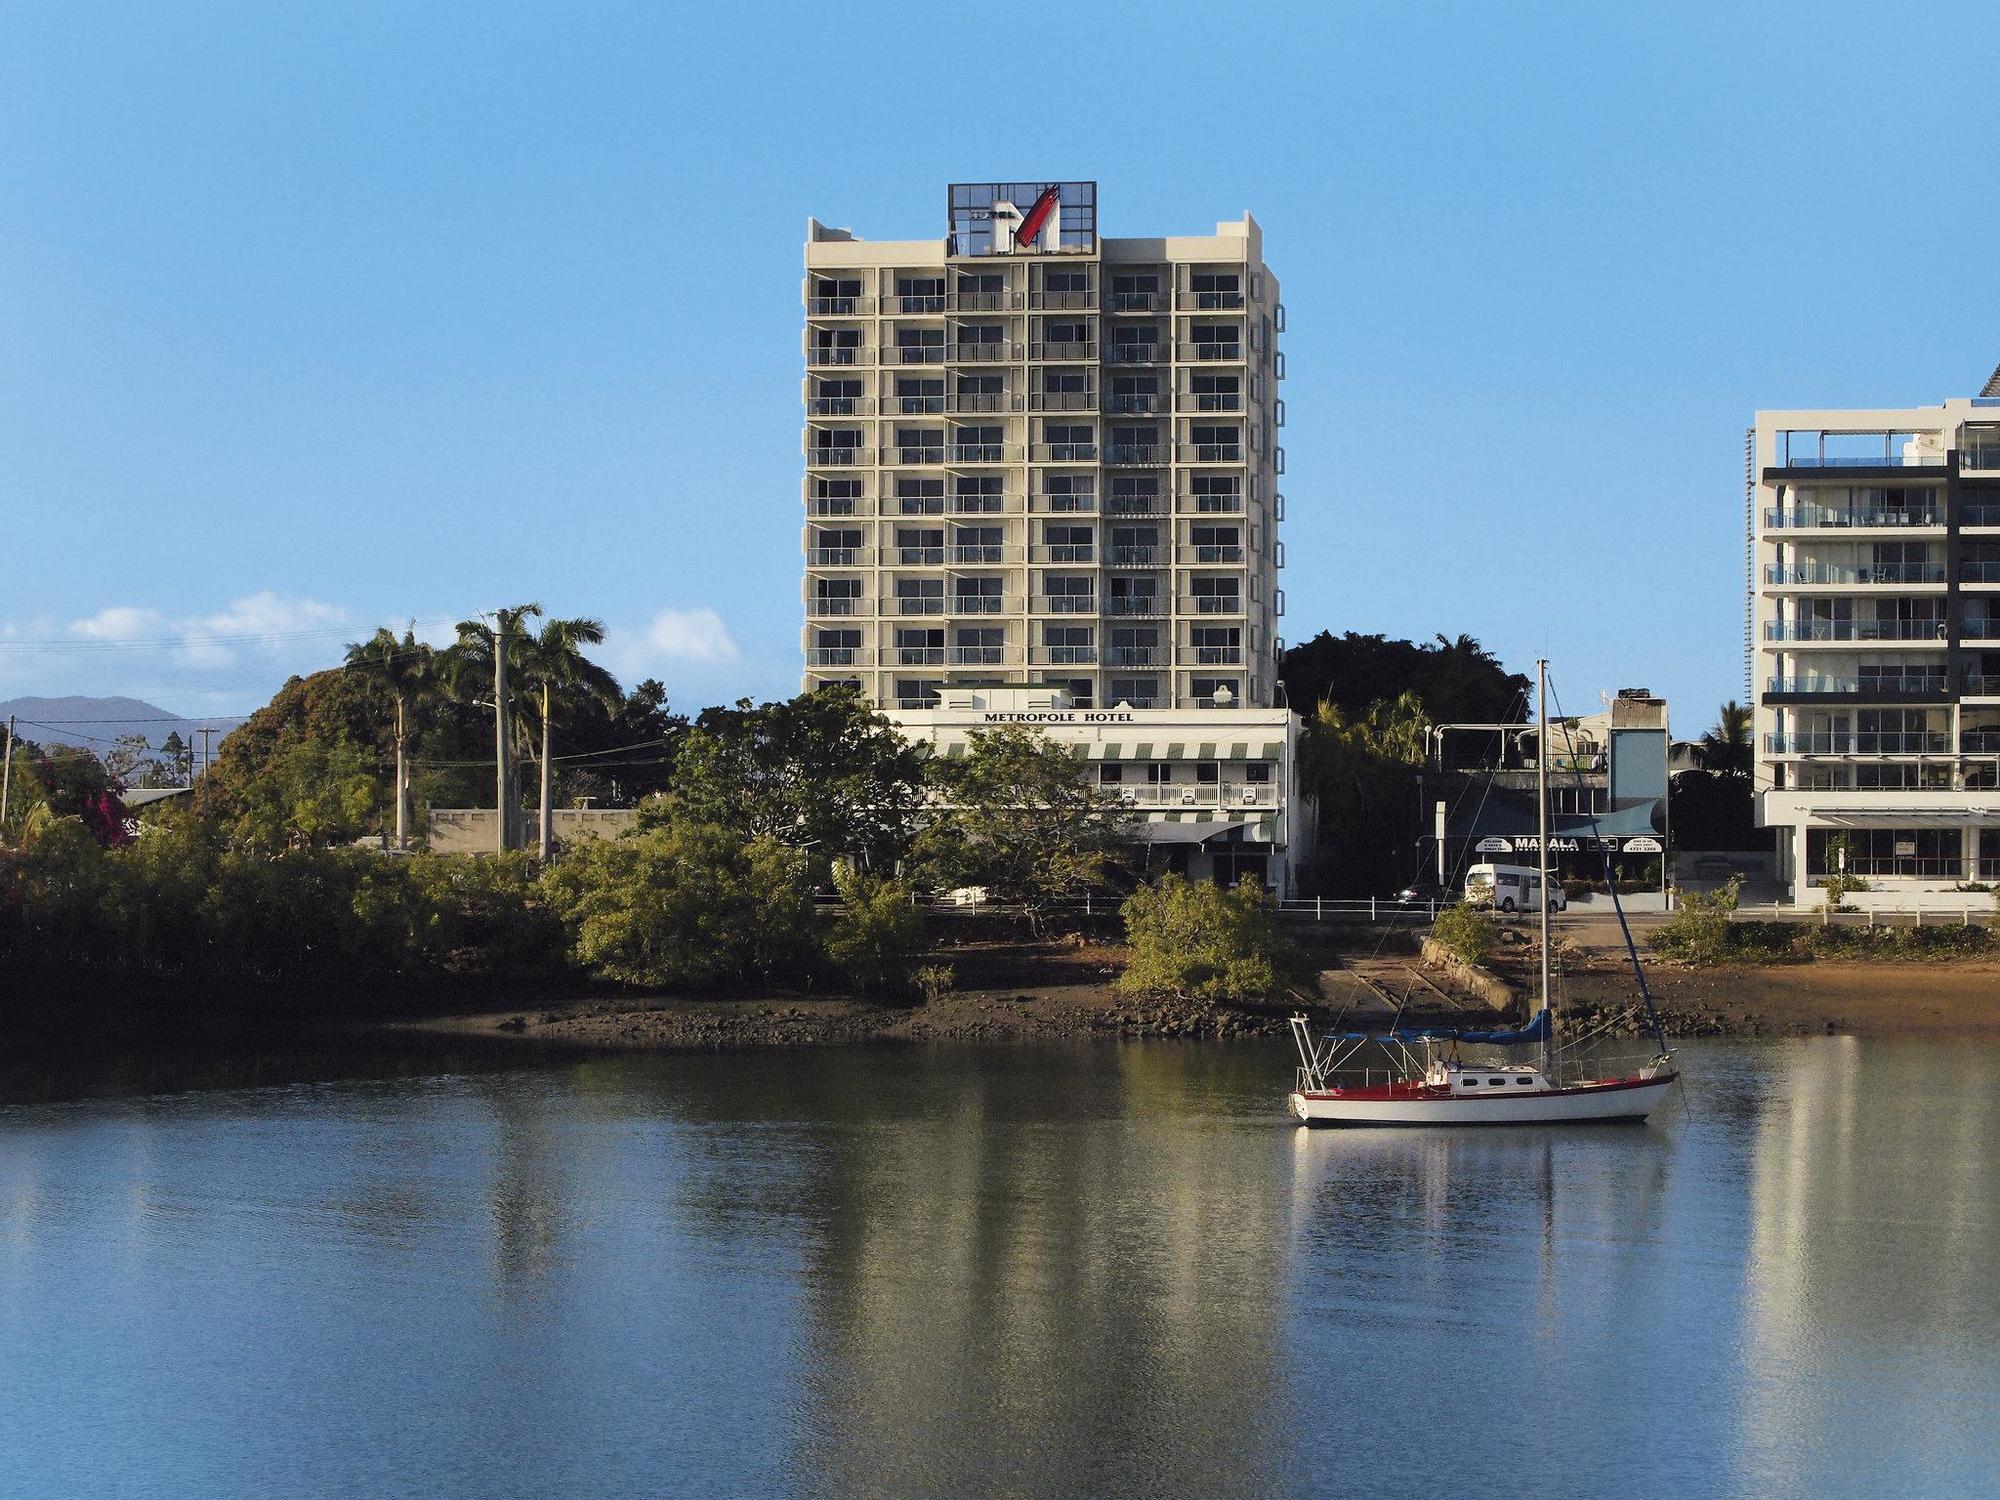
479,657
406,670
554,662
1726,747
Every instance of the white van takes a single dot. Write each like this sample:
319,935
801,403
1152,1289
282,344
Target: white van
1510,888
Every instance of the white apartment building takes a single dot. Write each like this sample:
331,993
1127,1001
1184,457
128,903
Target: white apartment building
1034,455
1875,643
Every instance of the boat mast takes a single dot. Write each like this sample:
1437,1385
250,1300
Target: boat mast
1542,847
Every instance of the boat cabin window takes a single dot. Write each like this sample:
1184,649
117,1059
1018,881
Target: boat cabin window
1498,1083
1524,1080
1470,1083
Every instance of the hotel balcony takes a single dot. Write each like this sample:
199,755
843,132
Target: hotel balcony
1201,794
1147,353
1137,656
1063,349
1064,552
1921,683
1212,604
1135,302
836,557
1135,606
1135,404
921,306
838,609
984,301
1211,453
983,604
1980,685
1134,557
917,656
821,357
1063,453
839,656
984,553
1980,570
835,458
1216,656
1218,554
1062,656
1135,505
840,307
1063,604
1975,516
983,656
1208,505
1062,401
1819,575
1137,455
1082,301
839,406
1207,301
1213,353
975,402
984,354
1211,401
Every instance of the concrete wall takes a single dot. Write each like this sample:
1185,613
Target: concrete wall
473,830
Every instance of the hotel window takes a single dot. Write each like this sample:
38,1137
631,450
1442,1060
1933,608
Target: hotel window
1217,690
976,493
1070,492
1068,593
1110,774
1217,289
982,393
836,398
1257,773
916,692
916,396
1207,773
835,497
1159,774
976,595
835,295
1134,494
982,291
1140,692
920,294
1216,492
1216,392
919,445
920,497
1070,442
1218,442
977,445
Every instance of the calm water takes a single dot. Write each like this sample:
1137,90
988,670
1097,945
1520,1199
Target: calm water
1104,1271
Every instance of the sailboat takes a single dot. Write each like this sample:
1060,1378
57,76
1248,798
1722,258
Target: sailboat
1428,1082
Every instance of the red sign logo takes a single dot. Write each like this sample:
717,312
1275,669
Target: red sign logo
1031,226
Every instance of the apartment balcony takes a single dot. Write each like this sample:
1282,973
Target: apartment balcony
1063,453
1135,404
1856,631
1979,741
1148,353
1235,700
914,453
983,301
917,656
1814,575
1063,349
1981,571
1980,685
985,604
925,306
1211,453
839,406
1211,604
914,557
839,656
1135,607
1138,455
1212,353
1062,401
836,557
821,505
1134,505
1207,301
1063,604
984,401
836,609
980,505
1980,630
1859,461
1840,742
1082,301
915,354
985,554
1211,401
984,354
1878,687
1134,302
1217,656
985,453
908,704
1065,505
1824,518
836,458
1218,554
1062,656
1064,552
1208,505
919,604
1137,656
1974,516
1134,557
840,307
826,358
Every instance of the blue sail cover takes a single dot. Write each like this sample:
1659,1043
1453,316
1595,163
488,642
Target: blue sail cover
1537,1030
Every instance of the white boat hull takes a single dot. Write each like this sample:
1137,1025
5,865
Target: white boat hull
1611,1099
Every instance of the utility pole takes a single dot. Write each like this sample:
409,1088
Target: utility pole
500,800
7,772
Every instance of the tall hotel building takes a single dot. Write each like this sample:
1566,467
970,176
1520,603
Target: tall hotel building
1041,475
1037,456
1875,605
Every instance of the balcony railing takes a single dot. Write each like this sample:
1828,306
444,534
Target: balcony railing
984,604
984,453
984,401
1137,455
980,354
839,307
985,553
979,505
1872,461
1211,401
835,557
923,305
1136,656
1062,656
1066,505
1979,570
982,656
984,301
1065,604
1147,353
1855,573
1212,604
1854,630
1212,453
1063,349
839,406
1134,505
1200,794
1081,301
1222,552
1134,302
1841,742
1065,552
1133,557
840,356
1210,301
1209,504
834,458
825,505
1064,453
1824,518
1212,353
916,354
1979,515
1062,401
919,656
1218,656
1135,606
1980,630
835,608
914,453
1981,685
917,557
838,656
1141,403
1979,741
1923,681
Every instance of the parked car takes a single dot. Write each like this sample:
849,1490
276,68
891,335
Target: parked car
1424,893
1511,888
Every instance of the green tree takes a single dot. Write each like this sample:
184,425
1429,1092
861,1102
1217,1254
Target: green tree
1208,942
554,672
476,670
1361,770
1726,747
822,772
1022,817
686,904
879,933
405,670
309,795
1457,678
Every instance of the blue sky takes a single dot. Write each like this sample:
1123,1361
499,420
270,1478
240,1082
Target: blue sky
319,317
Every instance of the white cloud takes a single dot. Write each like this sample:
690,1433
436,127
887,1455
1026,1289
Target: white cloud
672,638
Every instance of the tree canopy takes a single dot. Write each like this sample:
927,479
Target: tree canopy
1458,680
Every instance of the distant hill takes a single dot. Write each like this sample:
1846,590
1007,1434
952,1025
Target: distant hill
94,723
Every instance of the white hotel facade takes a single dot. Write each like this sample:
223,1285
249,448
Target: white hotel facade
1875,643
1041,473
